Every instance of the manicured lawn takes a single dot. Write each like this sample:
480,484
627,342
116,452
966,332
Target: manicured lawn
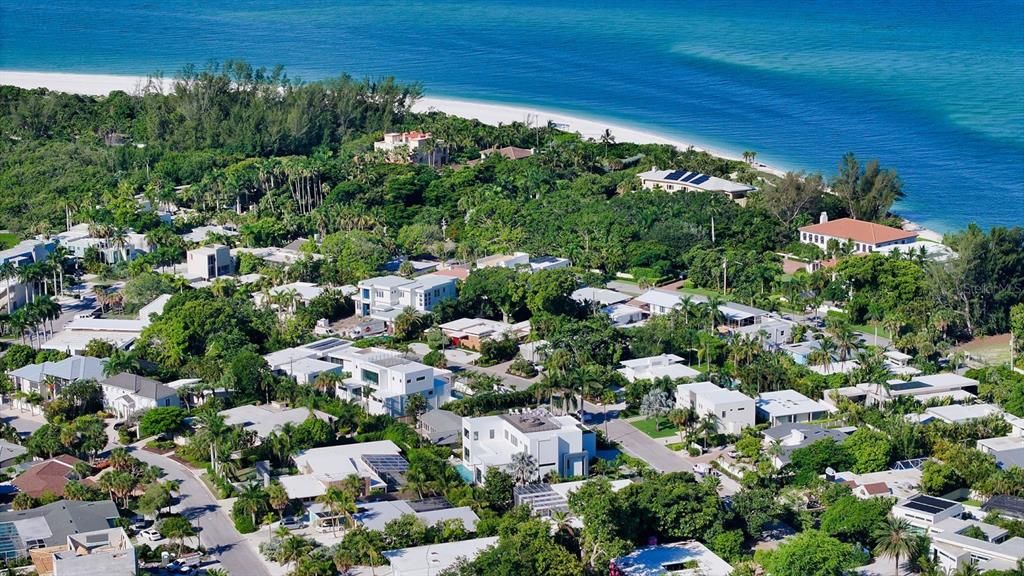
869,329
647,426
7,240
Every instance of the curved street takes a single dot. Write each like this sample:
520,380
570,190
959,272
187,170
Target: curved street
216,531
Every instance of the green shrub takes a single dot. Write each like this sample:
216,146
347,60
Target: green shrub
243,523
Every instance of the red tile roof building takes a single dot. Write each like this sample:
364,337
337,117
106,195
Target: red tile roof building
866,236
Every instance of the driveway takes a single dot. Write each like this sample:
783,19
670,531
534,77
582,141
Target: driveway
640,445
217,533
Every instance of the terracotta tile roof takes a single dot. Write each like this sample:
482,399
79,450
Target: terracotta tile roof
859,231
47,476
460,273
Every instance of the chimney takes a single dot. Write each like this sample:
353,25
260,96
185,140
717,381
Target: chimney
823,218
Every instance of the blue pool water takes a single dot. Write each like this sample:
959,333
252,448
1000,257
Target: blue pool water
934,89
466,473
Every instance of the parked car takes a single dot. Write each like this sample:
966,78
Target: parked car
292,523
152,534
139,523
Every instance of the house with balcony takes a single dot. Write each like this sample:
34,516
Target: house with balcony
559,444
385,297
383,380
787,407
415,146
955,543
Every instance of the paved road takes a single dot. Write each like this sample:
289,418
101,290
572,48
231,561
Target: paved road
217,533
640,445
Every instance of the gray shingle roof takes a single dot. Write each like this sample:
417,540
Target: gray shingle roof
140,385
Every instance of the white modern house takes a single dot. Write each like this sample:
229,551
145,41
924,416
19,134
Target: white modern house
599,297
732,409
319,468
654,367
13,292
434,559
690,181
127,393
1007,450
624,315
304,363
98,553
866,237
385,297
384,380
523,261
952,547
558,443
788,406
77,334
923,511
209,262
677,559
922,388
772,332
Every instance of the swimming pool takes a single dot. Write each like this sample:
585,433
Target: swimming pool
466,473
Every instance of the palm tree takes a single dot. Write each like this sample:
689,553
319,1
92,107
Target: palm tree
215,433
523,467
680,418
251,500
340,503
895,539
278,498
707,426
293,548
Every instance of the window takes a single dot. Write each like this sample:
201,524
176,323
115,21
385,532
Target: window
465,432
421,378
476,436
492,433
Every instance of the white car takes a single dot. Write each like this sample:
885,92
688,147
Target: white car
152,534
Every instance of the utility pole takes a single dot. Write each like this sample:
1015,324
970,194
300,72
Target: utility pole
725,274
712,228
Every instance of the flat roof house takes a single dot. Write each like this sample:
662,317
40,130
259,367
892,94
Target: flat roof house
658,301
689,181
383,380
304,363
375,462
435,558
51,524
923,388
1007,450
788,406
209,262
77,334
385,297
866,236
97,553
558,443
127,394
624,315
654,367
922,511
733,410
678,558
953,548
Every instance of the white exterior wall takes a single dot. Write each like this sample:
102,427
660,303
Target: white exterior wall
394,384
209,262
490,441
822,240
373,296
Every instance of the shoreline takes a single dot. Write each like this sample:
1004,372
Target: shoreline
486,112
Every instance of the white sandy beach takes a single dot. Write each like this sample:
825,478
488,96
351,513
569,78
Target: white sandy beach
494,114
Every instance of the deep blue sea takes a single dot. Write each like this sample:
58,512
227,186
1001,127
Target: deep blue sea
933,88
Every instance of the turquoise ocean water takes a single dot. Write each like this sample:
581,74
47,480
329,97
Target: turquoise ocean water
934,89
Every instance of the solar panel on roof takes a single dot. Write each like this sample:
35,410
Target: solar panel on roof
702,179
384,463
691,176
675,175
